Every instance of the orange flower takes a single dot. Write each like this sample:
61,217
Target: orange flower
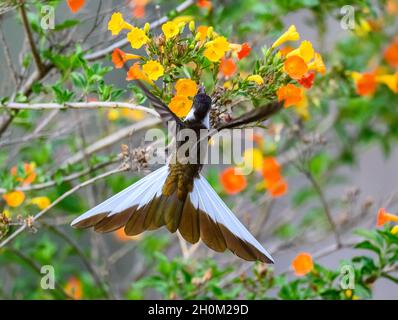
383,217
271,169
119,57
180,106
14,199
74,288
391,54
135,73
232,181
307,80
244,51
202,30
206,4
277,188
227,67
29,176
295,67
290,94
302,264
121,235
75,5
186,88
286,50
366,84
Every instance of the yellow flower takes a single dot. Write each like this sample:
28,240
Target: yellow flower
117,24
186,88
147,27
395,230
253,158
216,49
183,19
290,35
6,213
305,51
317,64
113,115
41,202
170,29
391,80
134,115
153,70
180,106
256,78
362,28
137,38
14,199
301,108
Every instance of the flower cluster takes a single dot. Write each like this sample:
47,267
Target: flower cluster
22,176
265,166
366,83
384,217
184,55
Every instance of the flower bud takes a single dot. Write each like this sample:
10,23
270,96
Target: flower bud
147,26
192,26
210,32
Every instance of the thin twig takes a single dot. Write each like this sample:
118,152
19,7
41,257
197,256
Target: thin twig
58,200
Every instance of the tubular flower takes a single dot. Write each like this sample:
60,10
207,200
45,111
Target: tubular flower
205,4
271,169
216,49
307,80
153,70
41,202
227,67
365,83
117,24
290,94
137,38
383,217
74,288
302,264
14,199
286,50
391,54
277,188
29,173
317,64
244,51
186,88
256,78
253,158
202,31
394,230
75,5
134,115
391,80
135,73
119,58
290,35
302,108
170,29
232,181
180,106
295,67
305,51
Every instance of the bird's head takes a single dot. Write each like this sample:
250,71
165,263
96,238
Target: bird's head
201,104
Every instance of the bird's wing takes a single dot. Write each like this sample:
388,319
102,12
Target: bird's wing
257,115
165,113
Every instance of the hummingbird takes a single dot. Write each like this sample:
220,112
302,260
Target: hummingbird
178,196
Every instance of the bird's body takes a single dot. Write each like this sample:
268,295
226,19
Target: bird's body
178,196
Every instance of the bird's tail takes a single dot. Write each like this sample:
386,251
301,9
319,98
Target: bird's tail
200,215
